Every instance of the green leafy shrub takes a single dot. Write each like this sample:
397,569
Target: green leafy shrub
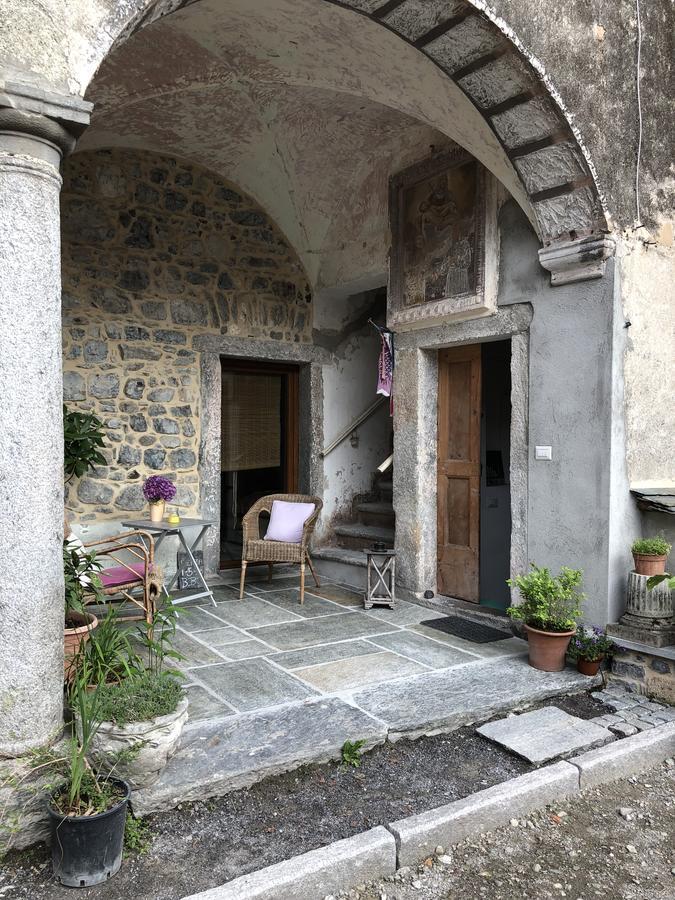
351,753
83,435
655,546
137,836
139,698
549,603
108,654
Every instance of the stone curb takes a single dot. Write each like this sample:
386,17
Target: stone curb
364,857
417,836
626,757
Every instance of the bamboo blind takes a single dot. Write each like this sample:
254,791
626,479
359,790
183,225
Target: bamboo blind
251,422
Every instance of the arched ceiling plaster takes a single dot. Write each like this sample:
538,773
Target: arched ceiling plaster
307,106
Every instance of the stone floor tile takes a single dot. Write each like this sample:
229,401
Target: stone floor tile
453,697
322,630
338,594
313,656
359,671
404,613
194,652
492,650
219,637
201,705
246,649
198,618
252,612
251,684
217,757
312,607
279,584
421,649
225,592
543,734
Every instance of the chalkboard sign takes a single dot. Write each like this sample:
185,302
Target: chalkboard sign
187,575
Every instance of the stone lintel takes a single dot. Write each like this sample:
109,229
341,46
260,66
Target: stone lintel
69,110
577,260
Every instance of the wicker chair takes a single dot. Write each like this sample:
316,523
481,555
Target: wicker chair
255,549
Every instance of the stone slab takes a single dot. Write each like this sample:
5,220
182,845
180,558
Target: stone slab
252,612
337,593
216,758
508,647
312,607
194,652
347,674
544,734
202,705
404,613
417,836
442,701
324,630
319,873
245,649
314,656
250,684
198,618
625,757
421,649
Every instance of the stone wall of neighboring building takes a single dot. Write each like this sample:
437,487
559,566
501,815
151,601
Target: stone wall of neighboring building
155,253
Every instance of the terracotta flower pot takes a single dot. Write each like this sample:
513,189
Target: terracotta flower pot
589,666
649,565
157,511
74,637
548,648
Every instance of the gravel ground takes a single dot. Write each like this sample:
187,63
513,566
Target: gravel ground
204,844
617,842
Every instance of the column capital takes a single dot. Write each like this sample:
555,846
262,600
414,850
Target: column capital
577,260
56,120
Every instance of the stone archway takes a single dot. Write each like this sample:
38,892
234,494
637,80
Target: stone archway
509,88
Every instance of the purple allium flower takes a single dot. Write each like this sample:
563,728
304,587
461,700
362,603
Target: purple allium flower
157,487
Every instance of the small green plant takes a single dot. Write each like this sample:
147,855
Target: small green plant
591,643
83,435
655,546
137,835
351,753
657,579
157,637
139,698
549,603
108,654
80,574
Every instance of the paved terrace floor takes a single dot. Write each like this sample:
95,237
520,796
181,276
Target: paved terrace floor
273,685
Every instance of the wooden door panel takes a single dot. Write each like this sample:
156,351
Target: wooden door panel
459,392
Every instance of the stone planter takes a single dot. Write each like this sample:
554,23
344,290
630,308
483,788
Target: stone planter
159,737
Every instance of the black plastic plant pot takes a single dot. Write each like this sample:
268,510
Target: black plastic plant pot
87,850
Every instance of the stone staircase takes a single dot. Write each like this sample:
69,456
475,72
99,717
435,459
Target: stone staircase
372,520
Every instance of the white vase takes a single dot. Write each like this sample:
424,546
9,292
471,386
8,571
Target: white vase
157,511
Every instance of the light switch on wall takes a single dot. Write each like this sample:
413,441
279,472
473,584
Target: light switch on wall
543,453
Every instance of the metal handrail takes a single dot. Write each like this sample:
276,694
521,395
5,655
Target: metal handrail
359,420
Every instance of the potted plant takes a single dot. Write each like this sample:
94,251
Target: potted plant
83,438
81,578
650,555
142,711
157,490
549,610
87,812
589,647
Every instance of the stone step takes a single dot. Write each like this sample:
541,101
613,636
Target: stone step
378,512
385,488
346,566
359,536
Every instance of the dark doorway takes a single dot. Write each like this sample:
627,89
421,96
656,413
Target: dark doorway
495,490
259,443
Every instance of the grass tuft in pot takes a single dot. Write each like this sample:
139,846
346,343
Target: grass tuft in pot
650,555
549,610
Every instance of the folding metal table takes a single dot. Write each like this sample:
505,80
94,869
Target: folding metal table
160,530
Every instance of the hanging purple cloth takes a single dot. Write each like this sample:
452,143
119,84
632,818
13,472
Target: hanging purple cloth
385,366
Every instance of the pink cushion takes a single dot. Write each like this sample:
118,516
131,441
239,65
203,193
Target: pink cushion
121,574
286,521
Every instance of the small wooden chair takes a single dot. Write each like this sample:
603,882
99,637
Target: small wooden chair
134,575
255,549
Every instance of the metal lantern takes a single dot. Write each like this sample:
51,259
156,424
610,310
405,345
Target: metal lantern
381,574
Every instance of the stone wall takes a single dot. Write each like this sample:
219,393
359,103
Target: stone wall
157,252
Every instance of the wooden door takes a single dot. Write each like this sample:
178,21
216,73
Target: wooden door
459,402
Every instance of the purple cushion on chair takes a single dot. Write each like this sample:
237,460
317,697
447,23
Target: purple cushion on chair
121,574
286,521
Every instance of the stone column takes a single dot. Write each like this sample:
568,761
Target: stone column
31,426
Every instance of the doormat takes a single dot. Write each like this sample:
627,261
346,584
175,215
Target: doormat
467,629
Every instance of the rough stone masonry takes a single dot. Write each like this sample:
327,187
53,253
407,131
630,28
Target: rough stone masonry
155,253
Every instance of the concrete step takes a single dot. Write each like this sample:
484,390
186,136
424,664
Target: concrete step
359,536
378,512
385,488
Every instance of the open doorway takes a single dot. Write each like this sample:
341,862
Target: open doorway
474,512
259,442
